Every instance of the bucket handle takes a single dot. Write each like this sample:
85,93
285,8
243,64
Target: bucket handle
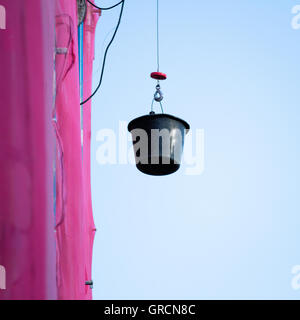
161,107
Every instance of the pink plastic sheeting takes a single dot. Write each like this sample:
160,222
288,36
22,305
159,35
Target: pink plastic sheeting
88,57
27,242
74,220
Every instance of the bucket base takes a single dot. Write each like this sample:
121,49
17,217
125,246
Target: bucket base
158,169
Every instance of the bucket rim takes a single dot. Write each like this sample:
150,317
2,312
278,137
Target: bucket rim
157,116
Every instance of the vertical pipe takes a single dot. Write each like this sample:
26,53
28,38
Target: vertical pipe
80,54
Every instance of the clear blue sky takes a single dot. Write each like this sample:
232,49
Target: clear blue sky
232,232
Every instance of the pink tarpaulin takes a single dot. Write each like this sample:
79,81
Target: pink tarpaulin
27,244
70,228
88,57
47,252
74,220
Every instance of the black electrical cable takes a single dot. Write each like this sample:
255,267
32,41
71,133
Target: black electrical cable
104,8
107,48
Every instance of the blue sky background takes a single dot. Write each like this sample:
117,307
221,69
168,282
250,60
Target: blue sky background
233,232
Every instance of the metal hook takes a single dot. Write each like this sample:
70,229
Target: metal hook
158,96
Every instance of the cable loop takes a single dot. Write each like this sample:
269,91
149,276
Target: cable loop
107,48
115,5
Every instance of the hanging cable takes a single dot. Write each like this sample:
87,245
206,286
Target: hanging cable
157,33
158,75
158,95
107,48
104,8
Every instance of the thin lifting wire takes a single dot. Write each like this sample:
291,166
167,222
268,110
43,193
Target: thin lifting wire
157,34
108,46
157,53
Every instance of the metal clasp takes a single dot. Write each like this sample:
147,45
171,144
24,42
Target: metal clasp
158,96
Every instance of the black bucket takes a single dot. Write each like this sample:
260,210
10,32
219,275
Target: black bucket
158,141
